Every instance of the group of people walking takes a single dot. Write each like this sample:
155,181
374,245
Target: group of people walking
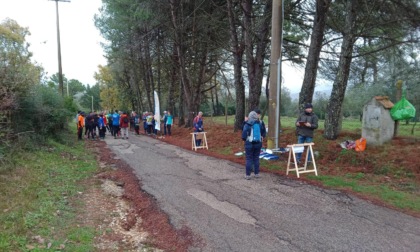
149,123
92,123
119,123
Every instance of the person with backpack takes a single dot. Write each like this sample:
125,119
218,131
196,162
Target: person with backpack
306,123
132,117
105,121
155,120
125,124
90,124
116,123
198,126
101,124
95,123
149,121
110,125
253,134
136,123
144,118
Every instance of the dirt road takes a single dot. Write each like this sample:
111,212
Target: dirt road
272,213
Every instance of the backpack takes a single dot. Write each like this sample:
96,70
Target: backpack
255,134
125,119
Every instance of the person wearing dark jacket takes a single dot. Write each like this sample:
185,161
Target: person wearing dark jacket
306,123
253,144
89,123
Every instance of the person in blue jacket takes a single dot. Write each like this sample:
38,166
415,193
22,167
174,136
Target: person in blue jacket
101,125
116,123
253,134
169,122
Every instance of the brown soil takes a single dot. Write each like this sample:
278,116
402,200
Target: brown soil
129,218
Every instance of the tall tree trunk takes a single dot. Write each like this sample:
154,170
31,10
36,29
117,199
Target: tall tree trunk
255,56
217,101
146,80
137,89
333,116
159,65
185,91
174,82
308,86
191,89
237,51
212,102
398,96
181,106
149,69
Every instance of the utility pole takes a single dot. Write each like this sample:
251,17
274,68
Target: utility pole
60,71
275,75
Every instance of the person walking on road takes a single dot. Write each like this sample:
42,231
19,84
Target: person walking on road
169,122
80,125
102,128
136,123
253,134
125,124
116,123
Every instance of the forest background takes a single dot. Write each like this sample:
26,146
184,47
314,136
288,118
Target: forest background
213,56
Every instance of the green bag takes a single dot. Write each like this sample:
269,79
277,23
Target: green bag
403,110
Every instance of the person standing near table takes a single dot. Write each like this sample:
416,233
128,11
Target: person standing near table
306,124
198,126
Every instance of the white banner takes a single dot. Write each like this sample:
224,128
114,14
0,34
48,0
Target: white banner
157,111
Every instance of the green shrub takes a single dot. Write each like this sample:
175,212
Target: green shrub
44,112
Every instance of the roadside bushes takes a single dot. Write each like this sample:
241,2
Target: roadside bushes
43,111
40,113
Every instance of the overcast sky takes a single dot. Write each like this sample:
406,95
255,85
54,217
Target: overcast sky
81,52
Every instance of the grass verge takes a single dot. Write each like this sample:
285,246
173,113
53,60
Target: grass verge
355,182
36,213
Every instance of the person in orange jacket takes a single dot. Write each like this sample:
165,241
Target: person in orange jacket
80,124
